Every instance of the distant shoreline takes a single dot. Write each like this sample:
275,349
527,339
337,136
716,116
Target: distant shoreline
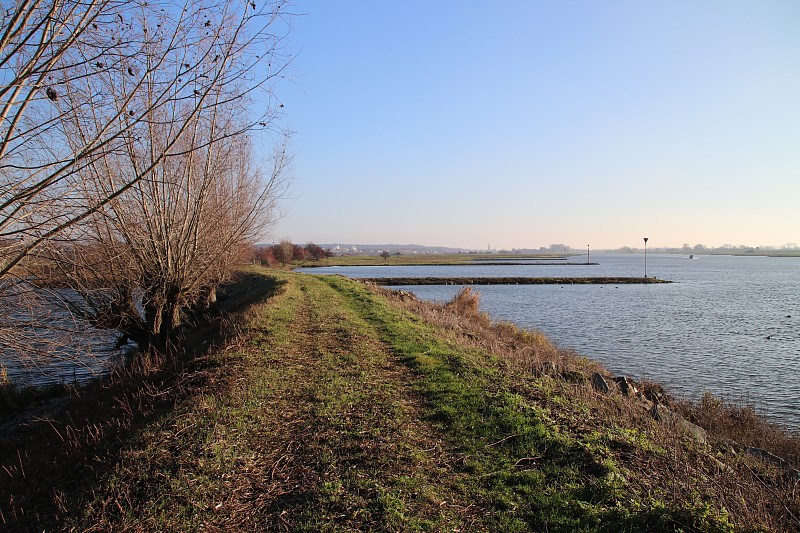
475,263
513,281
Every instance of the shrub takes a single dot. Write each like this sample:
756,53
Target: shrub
314,251
298,253
466,302
266,256
283,251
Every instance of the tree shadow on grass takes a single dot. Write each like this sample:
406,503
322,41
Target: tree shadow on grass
55,453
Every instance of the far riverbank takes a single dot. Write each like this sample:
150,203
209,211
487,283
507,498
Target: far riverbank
411,281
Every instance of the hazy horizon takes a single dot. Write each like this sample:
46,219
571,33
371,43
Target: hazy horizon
553,247
457,124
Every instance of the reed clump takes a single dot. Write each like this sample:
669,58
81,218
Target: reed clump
466,303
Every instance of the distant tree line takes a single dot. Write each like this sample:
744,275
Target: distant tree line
284,252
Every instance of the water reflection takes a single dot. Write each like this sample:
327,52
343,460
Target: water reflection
44,344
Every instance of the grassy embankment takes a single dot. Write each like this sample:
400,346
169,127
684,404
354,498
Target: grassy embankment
341,406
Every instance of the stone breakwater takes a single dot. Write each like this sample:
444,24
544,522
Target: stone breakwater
513,281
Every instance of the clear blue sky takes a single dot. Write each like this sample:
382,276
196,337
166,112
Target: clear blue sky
522,123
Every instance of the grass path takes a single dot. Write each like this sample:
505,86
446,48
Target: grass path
314,426
348,446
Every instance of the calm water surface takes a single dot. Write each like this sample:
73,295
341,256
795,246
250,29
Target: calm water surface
66,351
729,325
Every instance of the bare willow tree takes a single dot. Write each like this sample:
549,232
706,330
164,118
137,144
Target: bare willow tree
100,96
149,262
109,65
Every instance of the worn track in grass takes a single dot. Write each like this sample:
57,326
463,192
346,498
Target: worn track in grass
344,443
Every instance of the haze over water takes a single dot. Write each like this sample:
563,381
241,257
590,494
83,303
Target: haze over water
728,325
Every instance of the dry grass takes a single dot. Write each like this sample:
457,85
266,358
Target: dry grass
741,427
526,350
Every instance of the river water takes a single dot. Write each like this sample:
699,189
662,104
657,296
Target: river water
728,325
59,349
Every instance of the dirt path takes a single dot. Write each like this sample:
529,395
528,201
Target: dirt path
341,442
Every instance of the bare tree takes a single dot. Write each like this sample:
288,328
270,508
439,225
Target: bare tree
84,79
150,261
283,251
103,106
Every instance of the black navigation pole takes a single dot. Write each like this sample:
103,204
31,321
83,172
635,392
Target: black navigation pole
587,254
645,257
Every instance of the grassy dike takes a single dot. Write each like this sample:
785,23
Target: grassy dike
340,406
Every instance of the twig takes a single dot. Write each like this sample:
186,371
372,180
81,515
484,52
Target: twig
22,468
526,460
501,441
49,421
